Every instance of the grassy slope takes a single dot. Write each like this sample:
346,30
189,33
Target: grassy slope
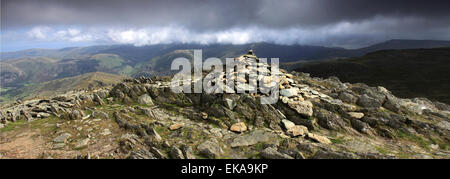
53,87
407,73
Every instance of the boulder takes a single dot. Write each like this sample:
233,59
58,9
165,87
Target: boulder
347,97
146,100
76,114
304,108
82,143
319,138
368,102
98,100
360,126
253,138
187,152
328,120
176,126
152,132
288,125
238,127
356,115
229,103
272,153
298,130
210,149
176,153
62,138
289,92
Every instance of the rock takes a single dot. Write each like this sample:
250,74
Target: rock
347,97
360,126
210,149
157,153
288,125
289,92
319,138
253,138
356,115
444,125
58,146
322,154
176,153
82,143
298,130
2,125
328,120
304,108
229,103
43,115
155,113
238,127
284,99
187,152
368,102
392,103
98,100
272,153
105,132
76,114
146,100
141,154
62,98
100,114
434,146
289,75
176,126
294,130
152,132
204,115
62,138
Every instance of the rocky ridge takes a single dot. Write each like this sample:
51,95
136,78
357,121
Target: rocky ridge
314,118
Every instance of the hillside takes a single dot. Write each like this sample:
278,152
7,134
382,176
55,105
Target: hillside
142,118
407,73
53,87
34,66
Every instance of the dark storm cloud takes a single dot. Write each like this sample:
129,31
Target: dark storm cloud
213,14
347,23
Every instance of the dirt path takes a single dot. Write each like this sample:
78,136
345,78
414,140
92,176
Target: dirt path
26,144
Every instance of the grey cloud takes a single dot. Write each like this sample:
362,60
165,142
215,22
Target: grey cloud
332,22
212,14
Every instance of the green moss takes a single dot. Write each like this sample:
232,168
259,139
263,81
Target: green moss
424,143
13,125
337,140
382,150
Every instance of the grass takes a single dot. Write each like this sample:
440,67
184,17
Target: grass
13,125
337,140
424,143
382,150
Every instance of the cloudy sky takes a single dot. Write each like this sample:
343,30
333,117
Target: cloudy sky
343,23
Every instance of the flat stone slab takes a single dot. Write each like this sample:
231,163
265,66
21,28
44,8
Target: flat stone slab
253,138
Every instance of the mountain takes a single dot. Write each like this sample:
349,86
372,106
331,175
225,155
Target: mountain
143,118
407,73
397,44
33,66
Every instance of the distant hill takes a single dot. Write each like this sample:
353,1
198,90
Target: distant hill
286,53
405,44
50,88
33,66
407,73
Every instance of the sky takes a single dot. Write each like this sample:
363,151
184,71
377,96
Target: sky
337,23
